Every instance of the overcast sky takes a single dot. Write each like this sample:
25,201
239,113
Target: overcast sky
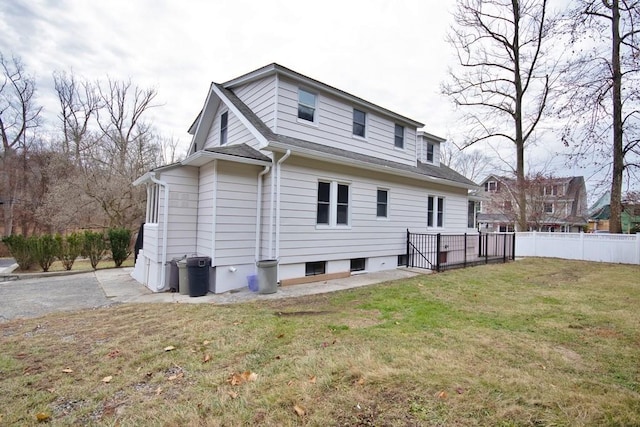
391,53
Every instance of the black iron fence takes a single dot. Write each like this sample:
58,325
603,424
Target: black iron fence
444,251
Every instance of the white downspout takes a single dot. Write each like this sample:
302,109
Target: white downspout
165,223
259,211
213,210
279,168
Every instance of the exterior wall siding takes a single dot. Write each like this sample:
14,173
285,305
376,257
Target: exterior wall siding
334,127
205,210
367,236
259,96
236,213
237,133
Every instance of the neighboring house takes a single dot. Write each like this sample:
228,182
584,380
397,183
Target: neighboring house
553,204
600,213
282,166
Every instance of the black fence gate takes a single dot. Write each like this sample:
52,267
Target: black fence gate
445,251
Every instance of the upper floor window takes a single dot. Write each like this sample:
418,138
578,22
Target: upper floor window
359,122
382,204
306,105
430,150
224,118
333,204
435,211
399,136
548,207
490,186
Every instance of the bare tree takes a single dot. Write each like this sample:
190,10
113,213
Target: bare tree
503,81
79,102
472,164
19,115
603,80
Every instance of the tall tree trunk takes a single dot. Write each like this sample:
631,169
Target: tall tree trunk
615,225
519,137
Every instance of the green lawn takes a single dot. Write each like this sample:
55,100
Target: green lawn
536,342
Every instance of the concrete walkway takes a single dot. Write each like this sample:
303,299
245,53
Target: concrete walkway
119,286
37,294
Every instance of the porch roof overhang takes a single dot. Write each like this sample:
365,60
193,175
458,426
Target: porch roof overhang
362,164
203,157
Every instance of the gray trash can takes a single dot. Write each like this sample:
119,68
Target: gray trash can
198,270
267,276
183,277
173,275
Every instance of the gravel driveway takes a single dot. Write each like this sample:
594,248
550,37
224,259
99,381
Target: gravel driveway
37,297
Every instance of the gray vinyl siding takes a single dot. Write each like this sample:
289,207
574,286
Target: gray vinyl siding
237,133
236,213
265,233
334,126
259,96
205,210
367,236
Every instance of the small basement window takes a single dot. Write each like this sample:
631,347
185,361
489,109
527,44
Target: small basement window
402,260
315,268
357,264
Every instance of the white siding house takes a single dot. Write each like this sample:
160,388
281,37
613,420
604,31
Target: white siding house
282,166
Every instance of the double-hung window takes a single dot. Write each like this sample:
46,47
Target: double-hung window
435,211
306,105
382,204
430,150
333,204
359,123
224,119
399,136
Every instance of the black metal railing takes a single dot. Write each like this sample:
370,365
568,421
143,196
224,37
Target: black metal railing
444,251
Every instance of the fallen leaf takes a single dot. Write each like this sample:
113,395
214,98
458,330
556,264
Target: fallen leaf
290,383
207,357
205,342
107,379
43,417
278,357
51,390
459,390
169,348
176,376
67,370
442,395
139,367
360,381
280,336
237,379
299,410
158,391
236,323
233,394
312,379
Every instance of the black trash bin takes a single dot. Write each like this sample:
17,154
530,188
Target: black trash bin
174,285
198,272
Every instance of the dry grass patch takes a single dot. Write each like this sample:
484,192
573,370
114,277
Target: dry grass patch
535,342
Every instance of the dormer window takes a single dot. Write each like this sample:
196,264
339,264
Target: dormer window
399,136
224,119
430,149
306,105
491,186
359,122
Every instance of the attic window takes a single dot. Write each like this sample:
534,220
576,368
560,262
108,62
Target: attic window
224,118
306,105
399,136
429,152
490,186
359,122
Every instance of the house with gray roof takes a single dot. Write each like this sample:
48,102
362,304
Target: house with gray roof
284,167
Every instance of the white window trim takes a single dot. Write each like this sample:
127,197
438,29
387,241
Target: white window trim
313,123
384,218
436,202
220,129
366,124
333,206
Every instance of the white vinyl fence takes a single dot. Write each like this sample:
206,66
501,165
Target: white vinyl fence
614,248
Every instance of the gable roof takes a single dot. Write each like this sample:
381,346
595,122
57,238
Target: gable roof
274,68
336,155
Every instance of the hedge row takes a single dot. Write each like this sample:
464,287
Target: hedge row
45,249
